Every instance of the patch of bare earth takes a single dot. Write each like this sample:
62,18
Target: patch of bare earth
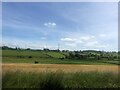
55,67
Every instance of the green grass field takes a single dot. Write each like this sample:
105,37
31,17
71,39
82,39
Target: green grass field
22,56
58,61
23,53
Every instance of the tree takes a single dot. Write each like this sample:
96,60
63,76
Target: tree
72,55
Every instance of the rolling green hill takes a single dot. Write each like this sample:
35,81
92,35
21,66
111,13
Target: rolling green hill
23,53
49,57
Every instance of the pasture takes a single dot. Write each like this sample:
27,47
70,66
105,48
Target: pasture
43,57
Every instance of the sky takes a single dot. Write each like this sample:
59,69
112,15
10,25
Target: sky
72,26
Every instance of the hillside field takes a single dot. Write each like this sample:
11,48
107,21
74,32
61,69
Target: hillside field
43,57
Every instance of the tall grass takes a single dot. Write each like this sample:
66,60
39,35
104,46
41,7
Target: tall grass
59,80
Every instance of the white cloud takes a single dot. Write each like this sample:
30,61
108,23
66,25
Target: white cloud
96,45
14,42
68,39
92,43
102,35
43,38
78,40
71,44
86,42
50,24
87,37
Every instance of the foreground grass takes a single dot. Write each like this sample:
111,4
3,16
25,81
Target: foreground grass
57,80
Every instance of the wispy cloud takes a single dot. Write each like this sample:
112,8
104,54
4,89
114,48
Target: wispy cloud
43,38
84,42
71,44
15,42
88,26
86,38
50,24
102,35
96,44
68,39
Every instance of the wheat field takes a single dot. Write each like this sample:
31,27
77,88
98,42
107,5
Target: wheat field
55,67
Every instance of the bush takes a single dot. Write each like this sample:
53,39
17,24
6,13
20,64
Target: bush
29,56
20,56
36,62
61,58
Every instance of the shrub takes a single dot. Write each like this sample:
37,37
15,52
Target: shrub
36,62
20,56
29,56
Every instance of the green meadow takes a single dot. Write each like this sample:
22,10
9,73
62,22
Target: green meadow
49,57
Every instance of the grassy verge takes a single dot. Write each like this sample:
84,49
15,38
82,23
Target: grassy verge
57,80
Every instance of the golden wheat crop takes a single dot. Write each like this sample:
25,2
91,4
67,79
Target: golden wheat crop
55,67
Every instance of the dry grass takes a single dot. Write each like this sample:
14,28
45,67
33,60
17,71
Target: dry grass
54,67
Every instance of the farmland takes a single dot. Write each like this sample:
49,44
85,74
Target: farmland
58,69
56,45
62,67
43,57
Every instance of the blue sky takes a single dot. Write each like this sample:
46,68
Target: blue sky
75,26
